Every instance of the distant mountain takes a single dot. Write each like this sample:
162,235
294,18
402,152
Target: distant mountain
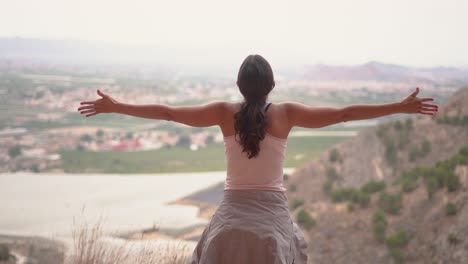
386,72
408,156
78,51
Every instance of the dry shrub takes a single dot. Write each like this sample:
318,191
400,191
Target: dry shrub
92,246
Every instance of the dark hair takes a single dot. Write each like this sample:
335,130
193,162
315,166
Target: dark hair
255,81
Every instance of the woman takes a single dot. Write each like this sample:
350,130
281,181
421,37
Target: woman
252,223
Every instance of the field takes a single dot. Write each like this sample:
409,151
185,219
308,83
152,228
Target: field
180,159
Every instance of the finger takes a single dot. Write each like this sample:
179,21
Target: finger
428,109
88,102
96,106
426,99
88,111
95,113
101,94
85,107
415,92
430,105
425,112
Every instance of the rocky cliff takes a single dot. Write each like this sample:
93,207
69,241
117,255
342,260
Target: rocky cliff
396,193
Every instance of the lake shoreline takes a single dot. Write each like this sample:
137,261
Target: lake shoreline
205,199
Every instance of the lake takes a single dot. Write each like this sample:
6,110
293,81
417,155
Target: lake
45,204
48,204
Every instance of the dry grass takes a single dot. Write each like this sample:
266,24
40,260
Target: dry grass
92,246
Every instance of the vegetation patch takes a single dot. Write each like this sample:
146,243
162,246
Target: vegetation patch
178,158
335,156
457,120
305,220
332,175
373,186
420,152
292,187
395,244
442,175
395,137
390,203
450,209
296,202
327,187
453,239
350,194
379,225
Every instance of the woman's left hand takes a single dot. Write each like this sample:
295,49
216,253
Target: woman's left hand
413,105
105,104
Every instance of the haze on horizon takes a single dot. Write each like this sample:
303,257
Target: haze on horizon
207,32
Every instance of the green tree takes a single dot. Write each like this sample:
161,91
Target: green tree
305,220
398,125
450,209
413,154
342,194
397,239
327,186
14,151
332,174
391,153
297,202
426,147
99,133
409,184
129,135
361,198
452,182
86,138
379,225
335,156
209,139
292,188
395,243
453,239
408,123
373,186
390,203
184,140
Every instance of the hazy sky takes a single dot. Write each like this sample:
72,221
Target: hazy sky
409,32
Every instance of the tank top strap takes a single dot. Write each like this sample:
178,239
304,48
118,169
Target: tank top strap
267,106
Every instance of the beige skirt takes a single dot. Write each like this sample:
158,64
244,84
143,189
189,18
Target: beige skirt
251,226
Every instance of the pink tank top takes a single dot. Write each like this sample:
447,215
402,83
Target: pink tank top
264,172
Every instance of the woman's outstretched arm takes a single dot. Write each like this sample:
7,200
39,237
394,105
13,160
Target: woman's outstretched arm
209,114
314,117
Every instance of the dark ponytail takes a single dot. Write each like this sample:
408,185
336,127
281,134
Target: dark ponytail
255,81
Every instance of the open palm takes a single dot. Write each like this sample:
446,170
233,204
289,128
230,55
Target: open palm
412,104
105,104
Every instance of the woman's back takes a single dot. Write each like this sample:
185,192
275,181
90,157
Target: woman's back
278,125
265,171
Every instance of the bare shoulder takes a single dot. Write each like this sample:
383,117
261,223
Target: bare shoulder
288,107
219,105
232,107
290,104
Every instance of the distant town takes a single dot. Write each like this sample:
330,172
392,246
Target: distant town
40,100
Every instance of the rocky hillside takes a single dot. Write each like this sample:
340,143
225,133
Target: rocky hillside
396,193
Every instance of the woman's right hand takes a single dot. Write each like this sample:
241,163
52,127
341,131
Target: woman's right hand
414,105
106,104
